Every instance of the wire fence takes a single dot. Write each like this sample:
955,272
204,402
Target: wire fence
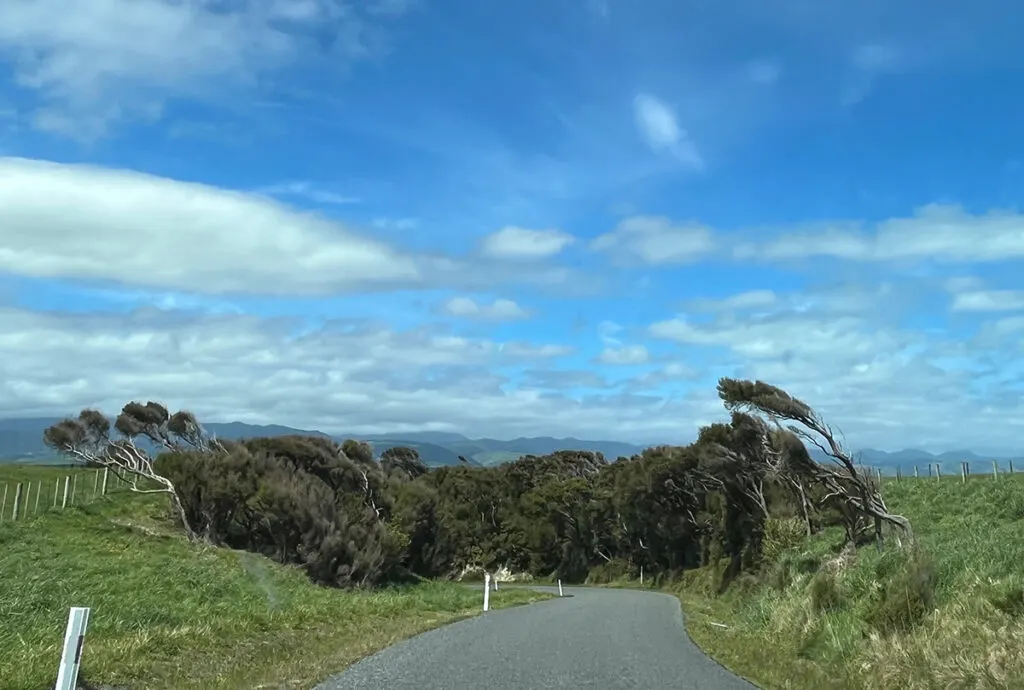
57,491
967,470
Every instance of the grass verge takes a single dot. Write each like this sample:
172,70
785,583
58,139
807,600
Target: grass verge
167,614
948,614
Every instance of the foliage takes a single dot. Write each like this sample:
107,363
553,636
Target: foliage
948,613
169,615
731,502
349,519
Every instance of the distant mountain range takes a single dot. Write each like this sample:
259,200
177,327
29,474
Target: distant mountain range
22,440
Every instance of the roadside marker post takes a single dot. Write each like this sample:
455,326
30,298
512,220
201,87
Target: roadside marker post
487,591
71,659
559,588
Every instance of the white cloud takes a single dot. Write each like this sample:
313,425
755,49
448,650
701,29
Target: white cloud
883,385
752,299
935,232
307,190
93,62
607,332
660,130
93,223
521,243
529,351
669,374
498,310
396,223
628,354
358,379
89,223
988,300
779,337
868,62
656,240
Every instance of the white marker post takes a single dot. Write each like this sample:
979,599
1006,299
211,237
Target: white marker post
71,659
559,588
487,591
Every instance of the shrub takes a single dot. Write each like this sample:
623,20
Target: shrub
1009,599
907,597
781,535
297,500
824,592
603,573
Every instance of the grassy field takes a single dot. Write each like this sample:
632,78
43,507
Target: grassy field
947,615
166,614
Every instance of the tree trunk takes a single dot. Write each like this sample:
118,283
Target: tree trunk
180,509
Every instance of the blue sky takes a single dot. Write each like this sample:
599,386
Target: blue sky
558,218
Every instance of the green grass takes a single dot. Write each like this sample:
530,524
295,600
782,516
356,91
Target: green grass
815,622
167,614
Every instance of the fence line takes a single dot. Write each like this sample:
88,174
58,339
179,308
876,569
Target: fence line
29,499
935,470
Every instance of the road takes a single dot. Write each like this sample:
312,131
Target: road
605,639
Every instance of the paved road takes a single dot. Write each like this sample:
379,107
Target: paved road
604,639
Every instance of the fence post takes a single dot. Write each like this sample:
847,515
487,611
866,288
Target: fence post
938,471
995,469
74,487
67,486
1011,466
963,472
917,474
3,504
17,500
899,474
71,658
39,490
487,591
95,483
103,491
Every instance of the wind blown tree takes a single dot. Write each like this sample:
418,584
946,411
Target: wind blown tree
348,520
87,438
841,480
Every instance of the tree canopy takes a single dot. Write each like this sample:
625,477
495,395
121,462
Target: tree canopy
350,519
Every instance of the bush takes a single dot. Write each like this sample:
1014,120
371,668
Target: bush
298,500
906,598
781,535
824,592
1009,599
613,570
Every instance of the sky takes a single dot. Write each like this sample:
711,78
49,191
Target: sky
557,217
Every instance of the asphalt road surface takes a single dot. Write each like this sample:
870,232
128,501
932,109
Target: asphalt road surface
604,639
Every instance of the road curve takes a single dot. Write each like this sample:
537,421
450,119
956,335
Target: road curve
606,639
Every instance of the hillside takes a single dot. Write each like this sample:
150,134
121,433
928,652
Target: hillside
952,616
432,454
175,616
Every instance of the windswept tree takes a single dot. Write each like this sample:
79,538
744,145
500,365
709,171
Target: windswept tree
841,479
87,439
402,461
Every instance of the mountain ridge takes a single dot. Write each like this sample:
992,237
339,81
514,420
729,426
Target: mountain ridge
21,438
